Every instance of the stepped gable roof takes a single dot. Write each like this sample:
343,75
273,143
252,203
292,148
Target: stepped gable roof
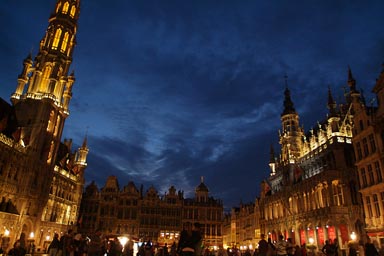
92,189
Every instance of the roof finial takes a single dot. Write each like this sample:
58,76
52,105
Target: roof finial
286,80
85,142
202,179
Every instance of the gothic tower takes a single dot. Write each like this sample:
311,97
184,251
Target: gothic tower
44,89
42,177
292,134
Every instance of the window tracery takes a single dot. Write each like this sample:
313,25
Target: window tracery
65,8
56,39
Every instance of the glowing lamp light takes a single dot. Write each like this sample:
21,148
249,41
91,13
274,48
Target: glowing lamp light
250,247
311,240
31,235
6,232
353,236
48,237
123,240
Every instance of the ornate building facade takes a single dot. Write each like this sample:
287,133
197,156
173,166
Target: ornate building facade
242,227
41,178
368,141
311,194
146,215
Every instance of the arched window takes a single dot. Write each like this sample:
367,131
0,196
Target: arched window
65,42
57,126
73,11
45,79
337,192
50,121
65,8
58,7
56,40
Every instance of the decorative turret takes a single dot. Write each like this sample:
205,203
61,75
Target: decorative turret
81,156
331,103
272,161
44,88
201,191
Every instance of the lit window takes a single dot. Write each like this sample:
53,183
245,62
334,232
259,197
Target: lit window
56,40
376,205
65,42
369,207
58,7
378,172
73,10
65,8
359,152
365,147
338,198
45,81
372,142
363,178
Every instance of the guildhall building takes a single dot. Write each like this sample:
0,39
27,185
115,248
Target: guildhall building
145,216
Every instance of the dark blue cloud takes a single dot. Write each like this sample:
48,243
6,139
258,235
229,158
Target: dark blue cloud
170,91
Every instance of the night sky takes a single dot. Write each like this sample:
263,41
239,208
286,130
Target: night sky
169,91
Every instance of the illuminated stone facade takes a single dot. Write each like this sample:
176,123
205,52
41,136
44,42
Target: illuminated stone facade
41,179
312,192
368,141
242,227
142,216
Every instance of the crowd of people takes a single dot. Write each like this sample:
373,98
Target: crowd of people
190,244
331,248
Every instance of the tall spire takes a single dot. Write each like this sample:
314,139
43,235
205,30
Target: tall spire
81,155
272,155
351,80
288,104
331,103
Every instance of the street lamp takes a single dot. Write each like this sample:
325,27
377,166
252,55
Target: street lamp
5,240
31,240
311,245
353,236
123,241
